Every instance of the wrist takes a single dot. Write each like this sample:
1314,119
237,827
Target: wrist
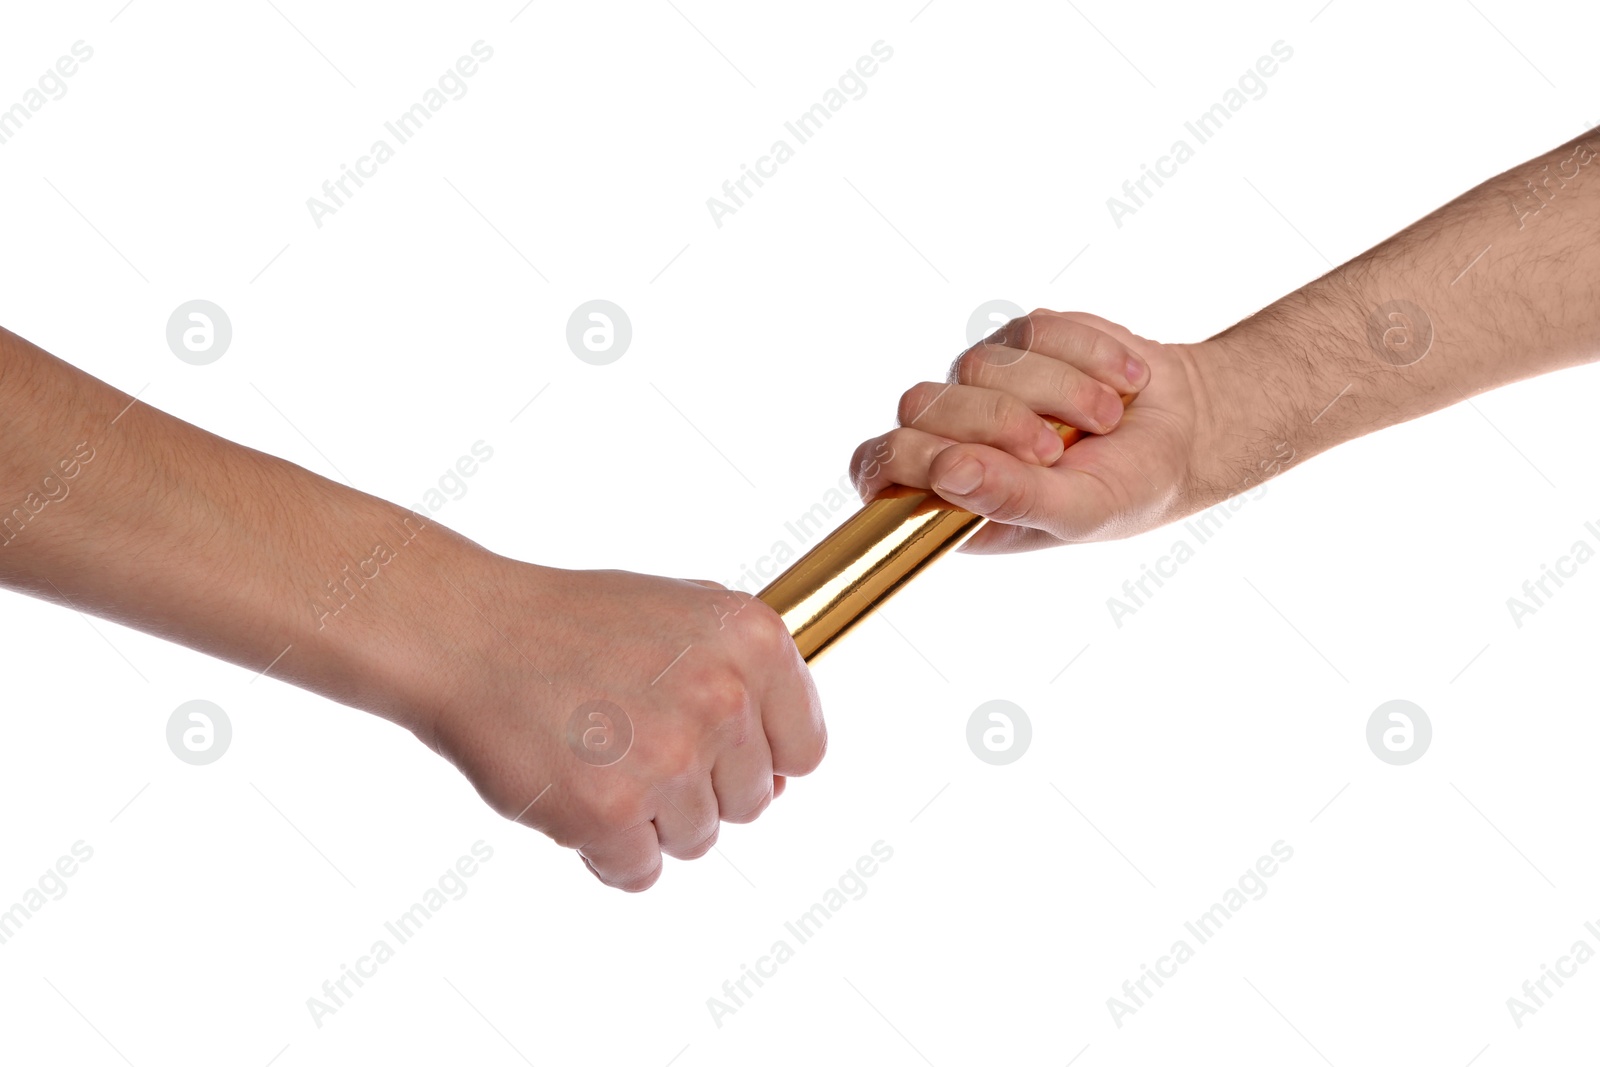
1278,388
1238,424
384,609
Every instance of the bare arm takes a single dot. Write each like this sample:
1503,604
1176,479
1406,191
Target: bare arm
160,525
1429,317
1422,321
118,509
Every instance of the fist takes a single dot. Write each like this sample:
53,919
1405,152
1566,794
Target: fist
627,716
985,440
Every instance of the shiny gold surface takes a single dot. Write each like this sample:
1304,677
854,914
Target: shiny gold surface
866,560
861,564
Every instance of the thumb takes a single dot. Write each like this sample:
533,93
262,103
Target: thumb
1065,502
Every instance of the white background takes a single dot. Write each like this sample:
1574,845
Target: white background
1226,715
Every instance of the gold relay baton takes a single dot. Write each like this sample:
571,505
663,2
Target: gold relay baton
864,562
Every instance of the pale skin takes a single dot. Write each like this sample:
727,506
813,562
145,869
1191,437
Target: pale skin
1309,372
117,509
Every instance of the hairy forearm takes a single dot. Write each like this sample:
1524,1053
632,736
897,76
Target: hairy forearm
115,508
1500,284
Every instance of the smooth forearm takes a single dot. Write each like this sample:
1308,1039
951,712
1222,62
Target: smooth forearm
1501,284
165,527
622,714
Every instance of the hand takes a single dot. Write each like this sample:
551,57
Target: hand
707,705
979,440
621,714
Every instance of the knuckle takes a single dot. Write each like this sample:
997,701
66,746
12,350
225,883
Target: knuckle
858,458
616,811
1104,350
1022,332
722,698
638,883
875,456
676,758
750,812
810,756
953,375
767,632
919,400
865,461
1032,326
895,443
970,366
766,623
985,366
702,846
912,403
802,749
994,408
999,413
1062,380
1014,422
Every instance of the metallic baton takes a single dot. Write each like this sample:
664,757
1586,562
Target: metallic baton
865,561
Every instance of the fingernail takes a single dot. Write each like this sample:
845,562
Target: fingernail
962,479
1050,447
1108,409
1136,371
